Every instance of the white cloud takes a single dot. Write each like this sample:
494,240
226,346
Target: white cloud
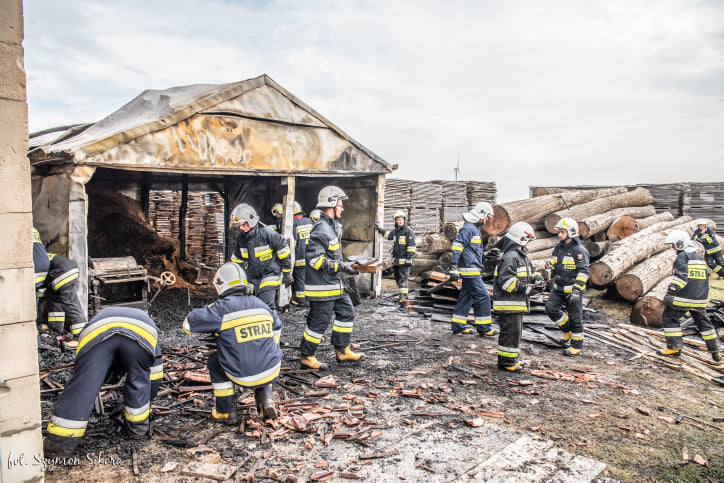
528,92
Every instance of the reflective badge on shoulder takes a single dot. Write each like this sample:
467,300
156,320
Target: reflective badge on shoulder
580,256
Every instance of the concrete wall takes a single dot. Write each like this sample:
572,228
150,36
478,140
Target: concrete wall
20,432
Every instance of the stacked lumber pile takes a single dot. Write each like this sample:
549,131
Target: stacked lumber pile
204,223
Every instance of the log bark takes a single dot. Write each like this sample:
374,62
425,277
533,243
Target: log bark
541,255
622,227
444,260
645,275
542,191
542,244
595,249
600,204
451,229
626,253
435,244
422,265
644,223
647,310
533,209
598,223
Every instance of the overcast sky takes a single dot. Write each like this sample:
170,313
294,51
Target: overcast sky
539,92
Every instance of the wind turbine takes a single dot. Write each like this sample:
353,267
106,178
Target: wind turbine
457,170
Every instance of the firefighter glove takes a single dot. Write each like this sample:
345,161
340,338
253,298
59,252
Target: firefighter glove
346,268
575,297
453,273
669,301
287,278
379,228
539,281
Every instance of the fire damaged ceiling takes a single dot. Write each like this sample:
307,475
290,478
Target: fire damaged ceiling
249,127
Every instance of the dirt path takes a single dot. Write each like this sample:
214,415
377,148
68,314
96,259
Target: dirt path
432,406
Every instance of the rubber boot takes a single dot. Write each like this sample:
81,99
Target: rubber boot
571,352
669,352
716,356
63,446
225,410
345,354
264,398
565,339
466,330
515,368
311,362
487,332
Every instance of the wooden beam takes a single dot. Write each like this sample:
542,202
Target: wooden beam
182,215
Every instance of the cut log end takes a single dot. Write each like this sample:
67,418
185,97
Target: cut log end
601,274
622,227
629,287
499,222
647,311
551,221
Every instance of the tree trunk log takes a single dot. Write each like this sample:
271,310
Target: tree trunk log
422,265
533,209
645,275
626,253
644,223
542,244
637,197
542,191
435,244
622,227
598,223
647,310
595,249
451,229
541,254
444,260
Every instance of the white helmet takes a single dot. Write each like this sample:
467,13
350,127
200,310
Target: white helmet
277,209
399,214
479,211
229,276
679,238
297,208
521,233
315,214
568,224
329,195
244,213
702,221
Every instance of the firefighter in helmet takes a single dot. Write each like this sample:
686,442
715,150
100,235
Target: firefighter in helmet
403,249
712,250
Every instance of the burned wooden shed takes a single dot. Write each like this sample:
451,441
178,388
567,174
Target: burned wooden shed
250,141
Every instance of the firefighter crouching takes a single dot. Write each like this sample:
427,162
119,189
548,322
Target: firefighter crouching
323,287
61,303
570,274
688,291
246,352
514,279
117,340
403,250
712,250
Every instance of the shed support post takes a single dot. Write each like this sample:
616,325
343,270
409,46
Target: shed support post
285,293
379,216
182,215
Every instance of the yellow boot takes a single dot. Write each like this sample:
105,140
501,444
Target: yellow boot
515,368
345,354
571,352
565,340
226,418
311,362
669,352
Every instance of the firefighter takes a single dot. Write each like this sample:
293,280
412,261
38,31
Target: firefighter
514,279
688,291
62,305
265,257
707,237
315,214
323,287
570,274
403,250
41,264
302,228
246,353
277,212
467,251
117,341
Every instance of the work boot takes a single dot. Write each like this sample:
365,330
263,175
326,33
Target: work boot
264,399
565,339
229,418
571,352
515,368
311,362
345,354
62,446
297,302
487,332
716,355
669,352
467,330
